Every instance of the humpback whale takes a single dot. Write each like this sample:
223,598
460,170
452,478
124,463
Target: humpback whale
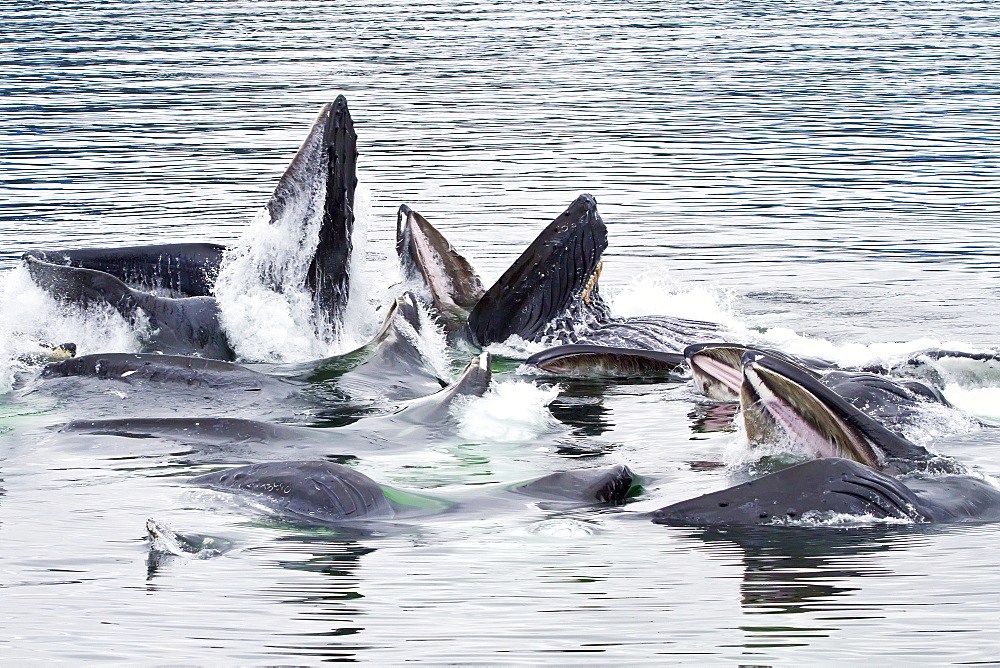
212,431
824,489
858,415
716,368
319,183
322,493
848,421
426,256
841,414
390,369
133,368
548,295
412,424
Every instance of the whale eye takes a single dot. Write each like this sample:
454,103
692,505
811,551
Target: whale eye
723,504
763,516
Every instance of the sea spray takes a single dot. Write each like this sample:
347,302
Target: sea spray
655,293
512,411
31,319
266,307
983,402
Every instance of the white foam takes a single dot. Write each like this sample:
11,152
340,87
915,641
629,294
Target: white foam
967,373
849,354
30,317
935,422
510,412
655,293
815,518
372,274
432,343
562,527
739,454
164,539
517,348
983,402
267,310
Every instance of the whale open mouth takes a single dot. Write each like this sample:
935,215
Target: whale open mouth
426,256
783,401
604,361
716,369
559,270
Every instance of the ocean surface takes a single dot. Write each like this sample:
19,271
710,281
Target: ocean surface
824,177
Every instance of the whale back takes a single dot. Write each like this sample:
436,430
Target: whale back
315,492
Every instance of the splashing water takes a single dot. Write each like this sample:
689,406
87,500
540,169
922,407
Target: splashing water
266,308
655,293
517,348
562,527
30,319
983,402
511,412
432,343
815,518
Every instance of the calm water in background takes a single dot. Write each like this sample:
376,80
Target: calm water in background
826,168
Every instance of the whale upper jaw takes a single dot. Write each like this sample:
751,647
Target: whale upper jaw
317,192
716,369
780,399
551,286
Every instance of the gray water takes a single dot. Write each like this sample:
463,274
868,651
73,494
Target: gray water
825,171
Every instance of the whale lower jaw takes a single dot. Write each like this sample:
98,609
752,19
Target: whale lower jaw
817,490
